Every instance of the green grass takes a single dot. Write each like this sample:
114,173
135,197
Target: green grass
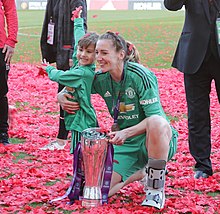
155,33
36,204
51,183
22,156
8,177
17,140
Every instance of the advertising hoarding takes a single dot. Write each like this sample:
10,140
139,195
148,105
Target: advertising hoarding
31,4
145,5
108,4
99,4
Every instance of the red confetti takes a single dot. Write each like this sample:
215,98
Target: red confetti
30,177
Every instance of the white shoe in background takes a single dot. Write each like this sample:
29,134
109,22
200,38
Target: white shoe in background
58,144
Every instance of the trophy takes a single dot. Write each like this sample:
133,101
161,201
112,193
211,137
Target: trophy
94,146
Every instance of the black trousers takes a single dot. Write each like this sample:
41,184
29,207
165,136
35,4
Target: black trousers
3,94
62,132
198,87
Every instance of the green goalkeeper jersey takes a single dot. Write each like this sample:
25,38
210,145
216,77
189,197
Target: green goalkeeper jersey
139,94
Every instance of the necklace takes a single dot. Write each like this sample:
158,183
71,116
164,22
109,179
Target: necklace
115,126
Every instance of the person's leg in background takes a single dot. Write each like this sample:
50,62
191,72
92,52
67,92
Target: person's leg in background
63,63
3,100
62,135
62,132
198,87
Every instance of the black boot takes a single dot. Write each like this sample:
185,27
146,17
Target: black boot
4,138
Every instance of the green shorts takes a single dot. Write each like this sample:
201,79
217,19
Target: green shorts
132,155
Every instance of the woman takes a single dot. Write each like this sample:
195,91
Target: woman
141,133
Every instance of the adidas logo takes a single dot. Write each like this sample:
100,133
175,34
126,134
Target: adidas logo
107,94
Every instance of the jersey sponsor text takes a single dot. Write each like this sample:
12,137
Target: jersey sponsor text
150,101
130,117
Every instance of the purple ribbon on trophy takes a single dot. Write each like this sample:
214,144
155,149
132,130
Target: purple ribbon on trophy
92,169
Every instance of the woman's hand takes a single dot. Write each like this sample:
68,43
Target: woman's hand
68,106
118,137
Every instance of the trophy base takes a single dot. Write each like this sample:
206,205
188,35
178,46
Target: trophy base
89,203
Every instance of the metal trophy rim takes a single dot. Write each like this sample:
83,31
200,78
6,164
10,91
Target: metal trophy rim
93,134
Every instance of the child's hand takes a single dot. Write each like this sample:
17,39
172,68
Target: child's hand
76,13
42,68
70,63
44,64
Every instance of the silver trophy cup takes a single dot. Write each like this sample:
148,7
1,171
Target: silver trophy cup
94,148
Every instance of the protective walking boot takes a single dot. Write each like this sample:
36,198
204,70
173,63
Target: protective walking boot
155,182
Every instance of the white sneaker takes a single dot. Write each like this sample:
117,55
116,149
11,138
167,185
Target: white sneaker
154,198
55,145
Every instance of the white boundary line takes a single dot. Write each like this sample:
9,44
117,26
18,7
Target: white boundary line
29,35
38,36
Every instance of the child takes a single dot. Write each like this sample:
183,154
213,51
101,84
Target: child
78,80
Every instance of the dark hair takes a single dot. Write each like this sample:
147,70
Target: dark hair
88,39
119,43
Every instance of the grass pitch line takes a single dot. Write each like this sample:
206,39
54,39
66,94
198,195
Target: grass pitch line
135,42
27,34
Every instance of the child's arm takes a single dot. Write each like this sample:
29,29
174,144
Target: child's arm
79,31
68,78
